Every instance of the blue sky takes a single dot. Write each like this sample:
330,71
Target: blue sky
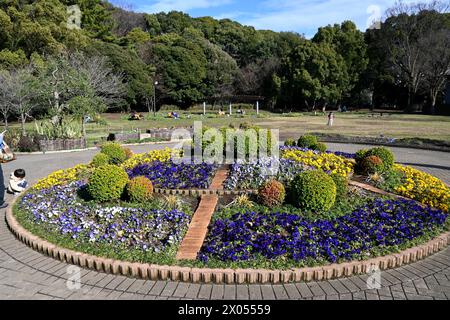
303,16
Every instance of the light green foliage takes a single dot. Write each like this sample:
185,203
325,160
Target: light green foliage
313,190
107,183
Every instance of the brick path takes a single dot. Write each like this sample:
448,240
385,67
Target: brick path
26,274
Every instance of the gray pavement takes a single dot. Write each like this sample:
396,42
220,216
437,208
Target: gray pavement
26,274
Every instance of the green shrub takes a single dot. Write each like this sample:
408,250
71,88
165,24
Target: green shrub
321,147
391,180
371,165
107,183
341,185
140,189
272,194
307,141
115,152
360,155
385,155
313,190
290,143
100,159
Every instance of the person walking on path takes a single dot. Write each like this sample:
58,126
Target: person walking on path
6,155
330,119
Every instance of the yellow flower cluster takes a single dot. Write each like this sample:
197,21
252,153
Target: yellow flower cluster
61,177
330,163
424,188
155,155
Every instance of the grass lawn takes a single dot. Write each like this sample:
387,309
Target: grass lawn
395,125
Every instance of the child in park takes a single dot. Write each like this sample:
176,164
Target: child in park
17,183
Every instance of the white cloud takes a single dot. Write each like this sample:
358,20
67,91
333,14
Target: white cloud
307,15
182,5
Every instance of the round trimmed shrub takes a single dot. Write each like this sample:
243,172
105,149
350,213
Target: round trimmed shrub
341,185
107,183
140,189
385,155
290,143
371,165
313,190
321,147
117,155
307,141
272,193
100,159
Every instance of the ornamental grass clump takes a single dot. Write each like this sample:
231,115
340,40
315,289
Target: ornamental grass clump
99,160
117,155
139,190
107,183
272,194
313,191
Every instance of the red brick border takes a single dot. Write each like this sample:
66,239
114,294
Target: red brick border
229,276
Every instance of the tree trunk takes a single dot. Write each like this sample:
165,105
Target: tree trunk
23,119
83,128
5,117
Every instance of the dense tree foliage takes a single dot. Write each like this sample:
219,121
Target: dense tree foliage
196,59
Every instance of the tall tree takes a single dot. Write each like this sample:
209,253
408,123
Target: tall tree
19,90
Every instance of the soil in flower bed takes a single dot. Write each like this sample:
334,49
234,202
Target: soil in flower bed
148,233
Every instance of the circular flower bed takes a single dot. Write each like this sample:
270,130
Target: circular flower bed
271,230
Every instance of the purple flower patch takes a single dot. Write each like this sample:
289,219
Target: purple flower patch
170,175
380,224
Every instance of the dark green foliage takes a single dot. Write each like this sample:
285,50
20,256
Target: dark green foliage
307,141
390,180
107,183
321,147
115,152
313,190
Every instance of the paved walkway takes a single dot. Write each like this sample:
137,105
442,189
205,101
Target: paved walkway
26,274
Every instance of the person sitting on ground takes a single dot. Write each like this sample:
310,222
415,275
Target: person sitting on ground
17,183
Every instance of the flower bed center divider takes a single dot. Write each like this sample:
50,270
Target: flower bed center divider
198,228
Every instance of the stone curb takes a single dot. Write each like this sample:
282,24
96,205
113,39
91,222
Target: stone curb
95,148
228,276
200,192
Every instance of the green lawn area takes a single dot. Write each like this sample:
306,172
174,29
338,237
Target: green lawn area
395,125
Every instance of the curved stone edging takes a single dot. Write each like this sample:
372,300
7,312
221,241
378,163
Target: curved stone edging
200,192
229,276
